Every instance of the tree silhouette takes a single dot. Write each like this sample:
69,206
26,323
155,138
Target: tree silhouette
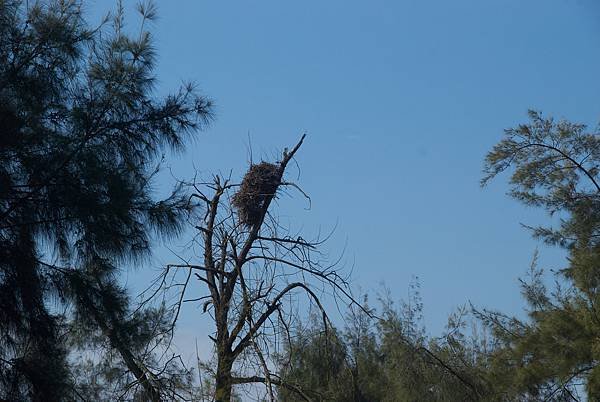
254,270
82,131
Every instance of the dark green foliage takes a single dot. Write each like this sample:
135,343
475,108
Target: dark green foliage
80,133
316,362
32,351
555,167
386,359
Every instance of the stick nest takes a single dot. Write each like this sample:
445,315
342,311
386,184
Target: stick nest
260,182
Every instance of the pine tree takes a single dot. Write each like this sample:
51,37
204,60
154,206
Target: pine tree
555,166
385,359
82,130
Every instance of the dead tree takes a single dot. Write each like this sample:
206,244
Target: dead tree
253,273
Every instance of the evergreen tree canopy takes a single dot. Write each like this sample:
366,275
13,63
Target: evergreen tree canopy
555,167
81,133
387,359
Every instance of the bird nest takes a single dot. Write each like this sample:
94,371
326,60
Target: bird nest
260,183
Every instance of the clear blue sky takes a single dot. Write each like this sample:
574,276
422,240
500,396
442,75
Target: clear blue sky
400,99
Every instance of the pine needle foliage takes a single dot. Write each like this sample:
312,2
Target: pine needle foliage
555,166
82,131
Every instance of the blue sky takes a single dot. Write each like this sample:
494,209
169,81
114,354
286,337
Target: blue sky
401,100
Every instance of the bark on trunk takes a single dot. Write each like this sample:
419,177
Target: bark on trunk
223,383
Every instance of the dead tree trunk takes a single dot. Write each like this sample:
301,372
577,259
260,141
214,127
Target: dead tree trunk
250,270
223,380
